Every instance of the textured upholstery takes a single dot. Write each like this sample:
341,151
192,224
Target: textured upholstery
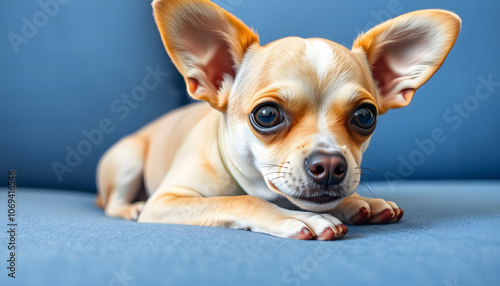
450,236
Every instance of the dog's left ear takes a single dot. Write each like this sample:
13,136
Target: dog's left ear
206,44
403,53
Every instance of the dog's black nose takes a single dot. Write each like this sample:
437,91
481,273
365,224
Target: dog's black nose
326,169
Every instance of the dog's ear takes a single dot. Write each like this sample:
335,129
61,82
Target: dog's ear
404,52
206,44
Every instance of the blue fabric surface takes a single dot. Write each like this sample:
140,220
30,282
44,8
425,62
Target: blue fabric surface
450,235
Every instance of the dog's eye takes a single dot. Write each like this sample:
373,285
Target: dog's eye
266,116
364,119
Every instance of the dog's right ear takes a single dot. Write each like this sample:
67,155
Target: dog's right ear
404,52
206,44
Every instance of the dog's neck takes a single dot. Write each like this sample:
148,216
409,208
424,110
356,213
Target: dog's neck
243,172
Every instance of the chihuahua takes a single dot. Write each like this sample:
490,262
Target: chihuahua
276,144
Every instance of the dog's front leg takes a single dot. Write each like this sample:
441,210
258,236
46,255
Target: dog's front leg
356,209
241,212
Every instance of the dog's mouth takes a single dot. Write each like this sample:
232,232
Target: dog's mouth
319,200
323,199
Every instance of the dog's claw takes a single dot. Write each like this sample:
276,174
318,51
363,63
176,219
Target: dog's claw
332,234
383,217
327,234
344,230
398,216
387,216
362,216
304,234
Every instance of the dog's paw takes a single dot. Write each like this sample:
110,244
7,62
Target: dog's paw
304,225
128,212
136,209
365,210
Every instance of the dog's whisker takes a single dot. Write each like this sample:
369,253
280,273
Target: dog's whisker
370,188
365,168
272,164
276,172
283,173
371,170
367,176
263,189
281,184
280,177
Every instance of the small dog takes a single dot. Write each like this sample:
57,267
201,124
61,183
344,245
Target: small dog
282,126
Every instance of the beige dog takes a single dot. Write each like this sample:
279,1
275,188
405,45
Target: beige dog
285,126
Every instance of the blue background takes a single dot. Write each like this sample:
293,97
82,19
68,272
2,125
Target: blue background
66,77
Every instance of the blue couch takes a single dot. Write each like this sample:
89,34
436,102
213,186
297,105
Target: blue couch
67,69
448,237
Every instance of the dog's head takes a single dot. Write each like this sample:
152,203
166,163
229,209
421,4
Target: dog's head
303,110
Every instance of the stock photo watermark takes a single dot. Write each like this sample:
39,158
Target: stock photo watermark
302,271
454,118
11,224
32,25
453,282
392,9
121,108
120,278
